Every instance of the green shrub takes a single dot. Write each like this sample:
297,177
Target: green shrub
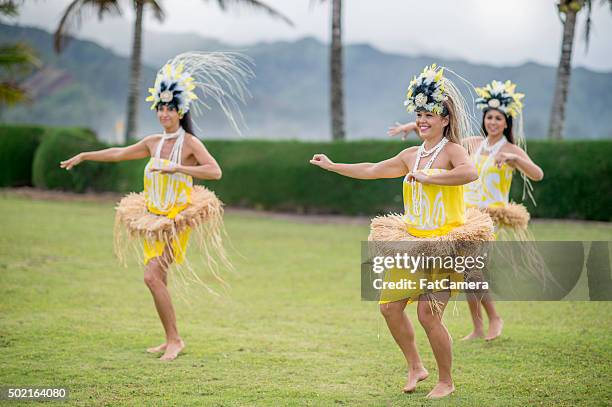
17,146
277,176
577,180
59,144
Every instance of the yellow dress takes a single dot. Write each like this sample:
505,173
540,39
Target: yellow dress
429,211
491,193
492,188
166,195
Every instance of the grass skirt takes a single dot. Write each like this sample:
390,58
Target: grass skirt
390,234
512,215
392,228
204,217
521,259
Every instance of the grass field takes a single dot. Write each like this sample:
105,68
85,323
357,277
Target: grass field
292,331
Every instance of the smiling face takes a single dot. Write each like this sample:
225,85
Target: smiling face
494,123
168,117
430,125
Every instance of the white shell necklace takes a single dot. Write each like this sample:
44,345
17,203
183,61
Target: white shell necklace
167,136
495,147
164,200
417,187
492,150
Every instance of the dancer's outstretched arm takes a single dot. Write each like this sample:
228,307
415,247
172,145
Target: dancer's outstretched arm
403,129
463,171
392,168
113,154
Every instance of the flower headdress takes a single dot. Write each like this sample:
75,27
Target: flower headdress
173,86
500,96
427,91
433,91
188,79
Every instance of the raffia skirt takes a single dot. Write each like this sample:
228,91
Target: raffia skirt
389,236
203,217
511,215
521,258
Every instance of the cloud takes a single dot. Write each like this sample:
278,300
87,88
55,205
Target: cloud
495,32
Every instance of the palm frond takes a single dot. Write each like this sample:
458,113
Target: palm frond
11,94
588,24
158,10
256,5
73,18
17,55
10,8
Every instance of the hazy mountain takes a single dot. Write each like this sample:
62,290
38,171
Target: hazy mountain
87,85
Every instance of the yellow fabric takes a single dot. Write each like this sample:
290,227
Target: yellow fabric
492,188
179,247
396,275
442,209
159,182
183,186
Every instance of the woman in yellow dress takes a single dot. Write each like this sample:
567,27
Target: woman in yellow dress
434,174
497,157
171,208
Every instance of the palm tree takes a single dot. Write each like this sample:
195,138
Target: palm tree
73,15
568,11
14,58
336,72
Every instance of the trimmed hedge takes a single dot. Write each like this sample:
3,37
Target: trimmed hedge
577,180
59,144
17,147
276,175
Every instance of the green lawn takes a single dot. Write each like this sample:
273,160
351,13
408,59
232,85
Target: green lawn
292,330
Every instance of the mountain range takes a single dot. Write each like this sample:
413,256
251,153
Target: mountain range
86,85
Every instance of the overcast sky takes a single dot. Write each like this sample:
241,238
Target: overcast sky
496,32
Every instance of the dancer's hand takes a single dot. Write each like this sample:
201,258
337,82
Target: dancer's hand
506,158
404,129
169,168
71,162
418,176
321,160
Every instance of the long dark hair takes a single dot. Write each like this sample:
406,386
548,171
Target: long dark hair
507,131
187,124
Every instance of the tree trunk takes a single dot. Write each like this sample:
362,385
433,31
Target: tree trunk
135,73
336,74
564,70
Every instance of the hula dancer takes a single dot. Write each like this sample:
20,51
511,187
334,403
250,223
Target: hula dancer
171,208
434,174
496,158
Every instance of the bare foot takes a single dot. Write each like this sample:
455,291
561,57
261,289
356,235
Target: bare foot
476,334
495,329
158,349
415,376
442,389
172,350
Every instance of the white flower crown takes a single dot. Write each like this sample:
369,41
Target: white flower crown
500,96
